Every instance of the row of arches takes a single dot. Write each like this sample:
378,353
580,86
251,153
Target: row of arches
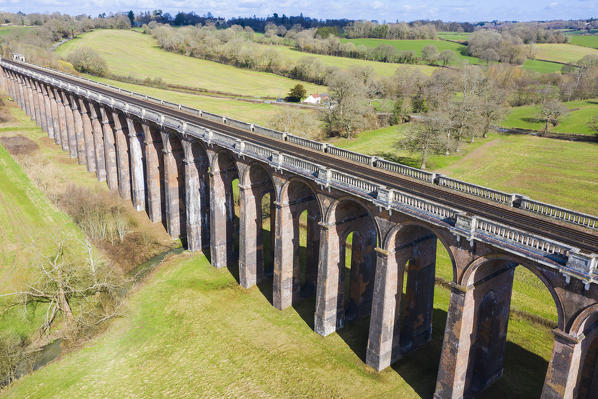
354,262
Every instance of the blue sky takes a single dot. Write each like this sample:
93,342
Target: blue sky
388,10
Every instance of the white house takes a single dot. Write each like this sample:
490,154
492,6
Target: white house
313,99
316,99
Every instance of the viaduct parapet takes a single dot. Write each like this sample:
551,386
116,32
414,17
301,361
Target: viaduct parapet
178,164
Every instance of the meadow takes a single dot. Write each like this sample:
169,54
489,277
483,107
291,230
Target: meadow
6,29
418,45
459,49
562,52
575,121
380,68
554,171
191,329
584,40
148,60
455,36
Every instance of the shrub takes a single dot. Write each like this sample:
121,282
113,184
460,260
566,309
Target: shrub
88,60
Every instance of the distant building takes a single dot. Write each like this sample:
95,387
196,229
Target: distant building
316,99
18,57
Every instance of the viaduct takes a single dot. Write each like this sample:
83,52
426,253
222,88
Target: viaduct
178,165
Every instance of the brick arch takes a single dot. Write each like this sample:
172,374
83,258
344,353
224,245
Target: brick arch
585,372
220,155
284,192
256,247
174,155
294,281
465,341
402,315
469,277
197,194
346,215
587,316
223,170
248,174
329,213
389,241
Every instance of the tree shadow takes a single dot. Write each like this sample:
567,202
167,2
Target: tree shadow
532,120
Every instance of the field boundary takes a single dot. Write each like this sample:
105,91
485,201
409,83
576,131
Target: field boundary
550,135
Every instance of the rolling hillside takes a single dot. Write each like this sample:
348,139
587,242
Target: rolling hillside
148,60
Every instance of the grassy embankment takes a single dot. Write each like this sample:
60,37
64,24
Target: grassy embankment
575,121
31,224
260,113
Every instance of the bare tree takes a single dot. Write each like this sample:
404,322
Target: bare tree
492,108
447,57
466,121
348,111
427,136
93,289
430,54
300,122
551,111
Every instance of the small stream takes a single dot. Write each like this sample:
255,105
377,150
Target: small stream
146,267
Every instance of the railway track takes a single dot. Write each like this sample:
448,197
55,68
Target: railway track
543,226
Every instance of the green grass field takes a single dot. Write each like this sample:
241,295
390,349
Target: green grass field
381,68
558,52
191,330
418,45
584,40
575,121
542,66
148,60
456,36
6,29
459,49
554,171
